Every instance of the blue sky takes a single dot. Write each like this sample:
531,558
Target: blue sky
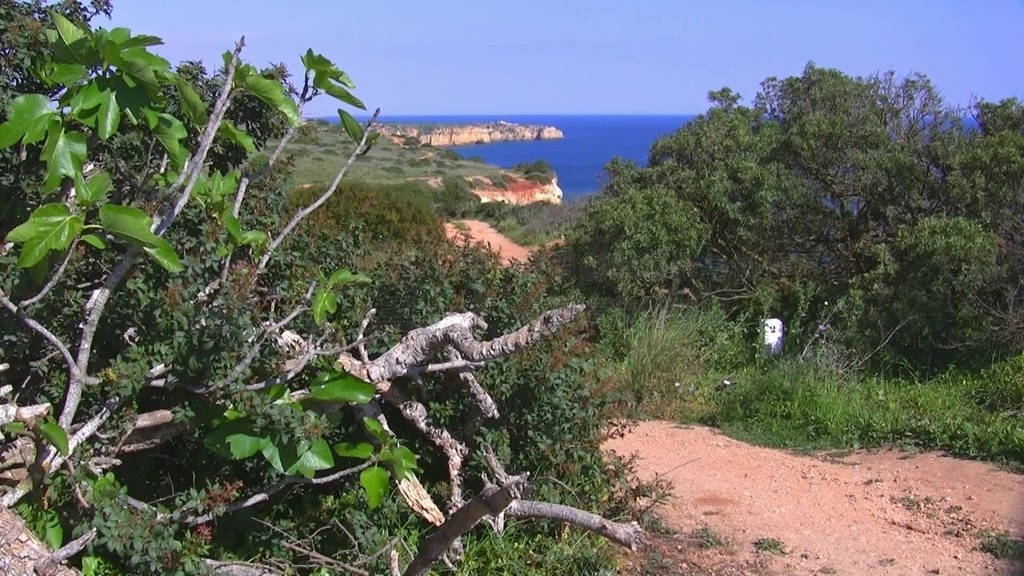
596,56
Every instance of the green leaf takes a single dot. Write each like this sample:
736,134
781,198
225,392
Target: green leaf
232,225
325,69
243,445
272,92
191,103
273,455
317,457
50,227
85,99
252,238
352,127
232,133
53,534
342,387
129,223
165,256
375,482
361,451
66,74
343,277
90,566
142,73
109,116
69,32
404,462
28,113
55,435
373,426
97,187
64,154
324,303
95,241
335,91
15,427
169,131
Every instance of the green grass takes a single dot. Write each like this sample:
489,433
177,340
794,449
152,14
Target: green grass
809,404
319,155
769,546
1002,545
571,551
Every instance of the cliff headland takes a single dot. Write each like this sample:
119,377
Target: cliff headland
463,134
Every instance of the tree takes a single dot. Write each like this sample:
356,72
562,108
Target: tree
163,305
830,188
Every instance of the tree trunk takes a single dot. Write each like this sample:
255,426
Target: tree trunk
22,554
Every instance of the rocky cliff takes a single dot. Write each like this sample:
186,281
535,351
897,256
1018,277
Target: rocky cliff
462,134
517,191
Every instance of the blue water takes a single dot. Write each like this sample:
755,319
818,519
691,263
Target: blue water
579,158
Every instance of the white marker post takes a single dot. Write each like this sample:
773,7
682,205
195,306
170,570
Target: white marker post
773,333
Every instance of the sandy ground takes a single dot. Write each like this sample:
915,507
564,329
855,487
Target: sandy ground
498,242
880,513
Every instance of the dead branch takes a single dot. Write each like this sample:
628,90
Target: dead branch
456,331
240,569
455,451
492,501
629,535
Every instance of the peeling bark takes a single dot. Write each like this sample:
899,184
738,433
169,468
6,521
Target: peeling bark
22,553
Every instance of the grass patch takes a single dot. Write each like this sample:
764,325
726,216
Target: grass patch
805,404
320,153
1002,545
708,538
770,546
530,225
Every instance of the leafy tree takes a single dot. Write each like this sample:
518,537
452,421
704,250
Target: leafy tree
830,188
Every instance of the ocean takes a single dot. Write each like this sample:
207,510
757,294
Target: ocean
579,158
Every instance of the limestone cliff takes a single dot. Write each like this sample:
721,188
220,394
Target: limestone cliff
463,134
517,191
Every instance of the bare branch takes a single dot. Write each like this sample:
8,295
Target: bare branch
303,213
38,328
325,560
487,406
68,550
213,125
240,568
455,451
265,495
27,414
57,275
254,349
456,331
629,535
490,502
361,348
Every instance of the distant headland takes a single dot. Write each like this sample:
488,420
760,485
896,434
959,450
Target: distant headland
465,134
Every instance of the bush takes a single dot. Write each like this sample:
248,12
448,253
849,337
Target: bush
539,171
392,213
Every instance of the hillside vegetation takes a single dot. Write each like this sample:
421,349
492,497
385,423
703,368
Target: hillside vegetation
879,223
224,355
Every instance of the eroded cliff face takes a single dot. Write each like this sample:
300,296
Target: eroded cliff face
463,134
517,191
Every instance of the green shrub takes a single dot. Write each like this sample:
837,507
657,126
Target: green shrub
398,213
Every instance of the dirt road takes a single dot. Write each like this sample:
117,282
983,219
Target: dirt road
883,513
498,242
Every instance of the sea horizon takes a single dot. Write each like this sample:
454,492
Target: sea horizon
590,141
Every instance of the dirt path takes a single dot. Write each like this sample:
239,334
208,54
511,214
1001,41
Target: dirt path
498,242
882,513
